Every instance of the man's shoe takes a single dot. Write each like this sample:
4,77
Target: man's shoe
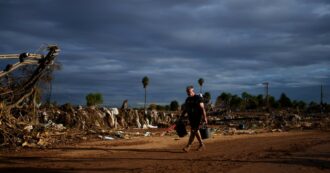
201,147
186,149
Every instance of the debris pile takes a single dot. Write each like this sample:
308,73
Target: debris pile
276,121
18,95
53,124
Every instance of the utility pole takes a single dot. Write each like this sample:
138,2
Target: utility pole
321,102
266,84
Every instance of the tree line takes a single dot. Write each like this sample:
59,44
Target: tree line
228,101
247,102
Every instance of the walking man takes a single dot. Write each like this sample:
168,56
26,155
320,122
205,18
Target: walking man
194,107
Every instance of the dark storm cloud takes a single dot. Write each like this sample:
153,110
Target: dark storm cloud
108,46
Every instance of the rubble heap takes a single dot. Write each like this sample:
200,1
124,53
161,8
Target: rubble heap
18,91
274,121
65,123
55,124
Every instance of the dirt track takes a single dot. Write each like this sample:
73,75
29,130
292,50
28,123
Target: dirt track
268,152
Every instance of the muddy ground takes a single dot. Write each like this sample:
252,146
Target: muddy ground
295,151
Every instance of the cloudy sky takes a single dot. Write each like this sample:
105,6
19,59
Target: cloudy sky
108,46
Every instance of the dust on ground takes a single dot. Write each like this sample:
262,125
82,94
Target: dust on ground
294,151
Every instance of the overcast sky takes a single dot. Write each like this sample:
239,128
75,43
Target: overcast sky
108,46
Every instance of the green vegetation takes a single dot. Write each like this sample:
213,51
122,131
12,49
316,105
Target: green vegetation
174,105
94,99
249,102
207,97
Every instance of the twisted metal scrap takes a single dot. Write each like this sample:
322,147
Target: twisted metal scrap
13,96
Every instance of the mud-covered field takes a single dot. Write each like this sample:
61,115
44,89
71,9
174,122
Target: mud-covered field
295,151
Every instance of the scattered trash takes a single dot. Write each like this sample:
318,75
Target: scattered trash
28,128
30,145
42,142
119,134
241,126
147,133
276,130
106,137
152,127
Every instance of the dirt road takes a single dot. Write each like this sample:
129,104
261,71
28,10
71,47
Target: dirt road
267,152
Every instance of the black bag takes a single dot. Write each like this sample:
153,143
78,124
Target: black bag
181,128
205,131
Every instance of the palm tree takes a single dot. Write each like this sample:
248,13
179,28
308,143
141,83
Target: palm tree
145,82
200,82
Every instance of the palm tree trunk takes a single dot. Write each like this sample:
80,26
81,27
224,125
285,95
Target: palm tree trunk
145,99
